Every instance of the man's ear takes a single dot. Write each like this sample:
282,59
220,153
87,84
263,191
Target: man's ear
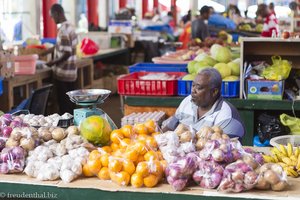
215,92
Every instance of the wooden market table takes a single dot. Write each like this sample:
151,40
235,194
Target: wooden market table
93,188
248,109
27,83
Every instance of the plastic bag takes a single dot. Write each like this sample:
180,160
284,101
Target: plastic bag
292,122
208,175
238,177
12,160
89,47
279,70
271,176
269,127
180,172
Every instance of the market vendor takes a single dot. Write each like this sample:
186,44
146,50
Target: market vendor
206,107
64,67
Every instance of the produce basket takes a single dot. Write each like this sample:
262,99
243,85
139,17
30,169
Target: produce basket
26,64
1,85
285,139
132,85
229,89
152,67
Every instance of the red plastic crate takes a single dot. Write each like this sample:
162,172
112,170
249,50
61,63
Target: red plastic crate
131,85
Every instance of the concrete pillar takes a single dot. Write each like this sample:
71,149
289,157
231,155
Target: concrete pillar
92,12
103,13
122,4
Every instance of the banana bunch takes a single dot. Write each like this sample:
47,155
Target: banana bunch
287,158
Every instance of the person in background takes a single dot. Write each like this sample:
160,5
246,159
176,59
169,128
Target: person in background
270,27
206,107
156,16
199,25
272,8
63,64
186,18
168,18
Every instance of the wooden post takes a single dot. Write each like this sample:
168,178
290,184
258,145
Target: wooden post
155,3
122,4
92,12
49,24
174,10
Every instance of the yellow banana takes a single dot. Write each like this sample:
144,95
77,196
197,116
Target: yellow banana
298,163
276,160
283,150
287,161
293,158
289,149
282,164
291,172
296,152
268,159
277,153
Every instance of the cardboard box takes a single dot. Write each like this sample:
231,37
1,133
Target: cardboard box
264,89
120,26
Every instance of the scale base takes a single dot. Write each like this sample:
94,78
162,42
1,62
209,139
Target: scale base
82,113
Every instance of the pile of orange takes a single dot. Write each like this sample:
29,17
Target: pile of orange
133,157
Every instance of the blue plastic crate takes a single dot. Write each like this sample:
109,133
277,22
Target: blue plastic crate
152,67
1,85
229,88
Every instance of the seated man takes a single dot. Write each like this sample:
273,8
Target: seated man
206,107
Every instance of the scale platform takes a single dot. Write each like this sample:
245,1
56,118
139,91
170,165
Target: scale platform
89,99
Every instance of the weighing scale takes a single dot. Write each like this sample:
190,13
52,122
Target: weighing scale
89,99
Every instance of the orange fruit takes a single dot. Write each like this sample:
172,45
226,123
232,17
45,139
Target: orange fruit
124,143
128,166
142,169
137,180
164,164
116,135
150,155
107,149
95,154
123,178
142,138
94,165
150,124
127,131
104,174
151,180
86,171
151,142
104,160
140,129
114,146
155,133
155,168
140,159
140,147
118,153
131,155
115,165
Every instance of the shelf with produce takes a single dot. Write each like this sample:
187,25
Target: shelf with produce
262,49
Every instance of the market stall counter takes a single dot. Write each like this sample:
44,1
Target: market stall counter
247,108
93,188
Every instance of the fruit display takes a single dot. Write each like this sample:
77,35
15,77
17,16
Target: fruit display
287,157
12,160
40,120
96,130
271,176
251,27
219,57
132,158
141,117
238,177
53,160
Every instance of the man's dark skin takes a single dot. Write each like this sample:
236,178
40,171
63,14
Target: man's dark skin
58,18
203,95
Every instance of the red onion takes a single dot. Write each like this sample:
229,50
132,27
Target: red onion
6,131
15,124
6,119
18,152
4,168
